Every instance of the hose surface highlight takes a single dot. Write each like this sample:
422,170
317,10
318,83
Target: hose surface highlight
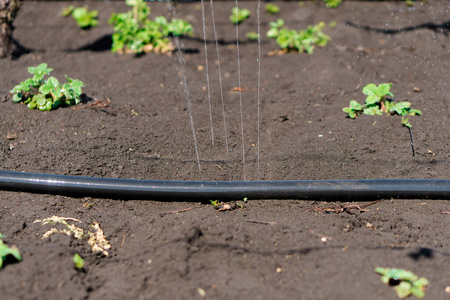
338,190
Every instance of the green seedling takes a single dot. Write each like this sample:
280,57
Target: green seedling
7,251
332,3
378,102
215,203
49,93
78,261
272,9
135,33
252,36
84,18
406,283
302,40
239,15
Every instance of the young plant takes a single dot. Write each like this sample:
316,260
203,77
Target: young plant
406,283
332,3
302,40
7,251
134,32
84,18
239,15
272,9
252,36
47,94
78,261
378,102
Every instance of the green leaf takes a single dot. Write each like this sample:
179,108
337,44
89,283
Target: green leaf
403,289
413,112
39,72
5,251
384,89
78,261
49,86
370,90
272,33
17,97
373,110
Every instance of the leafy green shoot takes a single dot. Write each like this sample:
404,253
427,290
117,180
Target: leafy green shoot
378,102
302,40
47,94
215,203
135,33
8,251
252,36
332,3
78,261
407,283
272,9
239,15
85,19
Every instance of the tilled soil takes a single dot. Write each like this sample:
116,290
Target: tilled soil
137,126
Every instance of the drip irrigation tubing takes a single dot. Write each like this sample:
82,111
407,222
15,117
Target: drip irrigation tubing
336,190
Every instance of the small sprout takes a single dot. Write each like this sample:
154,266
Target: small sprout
78,261
84,18
252,36
406,282
240,205
353,109
332,3
215,203
245,199
272,9
8,251
239,15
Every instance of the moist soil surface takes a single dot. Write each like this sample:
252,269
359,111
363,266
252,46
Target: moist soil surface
135,124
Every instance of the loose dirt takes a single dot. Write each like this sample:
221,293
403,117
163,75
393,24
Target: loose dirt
271,249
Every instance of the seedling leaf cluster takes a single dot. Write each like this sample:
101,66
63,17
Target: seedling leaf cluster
238,15
407,283
378,102
84,18
298,40
134,32
47,94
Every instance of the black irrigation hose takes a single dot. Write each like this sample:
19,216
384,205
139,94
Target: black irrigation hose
360,190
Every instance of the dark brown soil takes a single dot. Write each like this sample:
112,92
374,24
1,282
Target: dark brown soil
272,249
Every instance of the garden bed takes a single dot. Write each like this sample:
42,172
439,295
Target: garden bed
136,125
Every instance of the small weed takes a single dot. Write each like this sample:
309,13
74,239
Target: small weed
6,251
272,9
84,18
302,40
49,93
406,283
239,15
78,261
